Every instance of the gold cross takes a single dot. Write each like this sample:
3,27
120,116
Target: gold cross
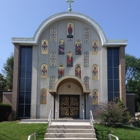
70,1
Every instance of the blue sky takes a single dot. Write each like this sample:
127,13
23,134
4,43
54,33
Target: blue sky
119,19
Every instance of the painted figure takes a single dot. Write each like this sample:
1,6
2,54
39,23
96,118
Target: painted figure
43,96
61,49
95,47
78,48
95,97
95,72
60,71
70,31
44,46
69,60
78,71
44,71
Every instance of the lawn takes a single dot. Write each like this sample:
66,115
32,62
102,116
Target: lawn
123,132
17,131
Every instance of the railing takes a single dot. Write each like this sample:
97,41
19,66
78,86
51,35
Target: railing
83,114
49,121
110,135
91,121
29,137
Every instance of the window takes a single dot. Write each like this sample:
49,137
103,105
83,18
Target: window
25,75
113,73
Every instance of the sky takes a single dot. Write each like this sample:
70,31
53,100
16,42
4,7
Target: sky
119,19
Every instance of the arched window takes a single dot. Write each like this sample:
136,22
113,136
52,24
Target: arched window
86,59
53,34
78,71
86,35
53,59
52,82
86,82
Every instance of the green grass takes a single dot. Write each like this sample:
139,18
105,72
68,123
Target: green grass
17,131
123,132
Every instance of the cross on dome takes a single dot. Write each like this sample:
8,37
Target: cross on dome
70,1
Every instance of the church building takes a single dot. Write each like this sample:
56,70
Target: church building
68,67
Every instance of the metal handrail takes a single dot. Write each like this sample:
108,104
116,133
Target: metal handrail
110,135
83,114
29,137
91,121
91,118
49,121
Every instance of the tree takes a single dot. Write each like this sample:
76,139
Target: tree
112,113
133,77
8,72
2,82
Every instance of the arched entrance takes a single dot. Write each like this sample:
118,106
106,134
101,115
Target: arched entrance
69,97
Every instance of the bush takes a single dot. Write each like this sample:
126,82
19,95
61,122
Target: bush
5,110
112,113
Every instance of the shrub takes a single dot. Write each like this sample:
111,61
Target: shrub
5,110
112,113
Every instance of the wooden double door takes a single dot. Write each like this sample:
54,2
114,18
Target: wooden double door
69,106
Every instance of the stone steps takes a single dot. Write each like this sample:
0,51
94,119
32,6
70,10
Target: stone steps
54,130
70,131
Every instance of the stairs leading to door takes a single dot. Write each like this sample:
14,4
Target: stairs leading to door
70,131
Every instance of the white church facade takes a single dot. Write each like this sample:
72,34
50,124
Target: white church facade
69,67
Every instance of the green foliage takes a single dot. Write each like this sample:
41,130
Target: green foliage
17,131
112,113
133,77
8,72
5,111
2,82
122,131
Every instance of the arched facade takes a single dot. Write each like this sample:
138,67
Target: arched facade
69,36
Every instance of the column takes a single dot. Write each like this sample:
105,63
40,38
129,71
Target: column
15,81
122,75
34,83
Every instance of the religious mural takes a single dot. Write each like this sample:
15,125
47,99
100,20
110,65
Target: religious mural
95,72
52,82
95,47
78,71
53,34
43,94
86,59
78,47
44,69
95,96
86,35
60,71
61,47
70,32
44,46
86,82
53,59
69,59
